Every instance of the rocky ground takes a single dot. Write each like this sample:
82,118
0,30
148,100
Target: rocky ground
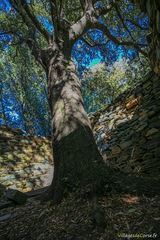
108,217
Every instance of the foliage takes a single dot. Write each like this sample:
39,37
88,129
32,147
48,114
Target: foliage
23,92
103,83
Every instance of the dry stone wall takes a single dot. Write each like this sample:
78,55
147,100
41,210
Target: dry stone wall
25,161
128,132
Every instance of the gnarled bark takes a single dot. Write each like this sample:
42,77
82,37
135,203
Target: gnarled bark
77,161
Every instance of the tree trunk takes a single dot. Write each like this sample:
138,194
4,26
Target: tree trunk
4,117
77,161
152,8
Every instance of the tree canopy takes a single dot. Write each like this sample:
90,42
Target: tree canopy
116,30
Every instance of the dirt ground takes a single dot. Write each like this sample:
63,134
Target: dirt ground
108,217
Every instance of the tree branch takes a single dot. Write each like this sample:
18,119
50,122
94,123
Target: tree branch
35,21
54,12
30,20
86,5
136,24
122,20
92,43
79,28
38,53
104,29
104,10
90,16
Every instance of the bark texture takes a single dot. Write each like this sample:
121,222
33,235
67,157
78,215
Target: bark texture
77,161
152,8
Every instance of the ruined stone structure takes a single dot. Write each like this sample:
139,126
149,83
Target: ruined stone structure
127,133
25,161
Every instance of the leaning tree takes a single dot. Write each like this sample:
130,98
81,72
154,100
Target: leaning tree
77,161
